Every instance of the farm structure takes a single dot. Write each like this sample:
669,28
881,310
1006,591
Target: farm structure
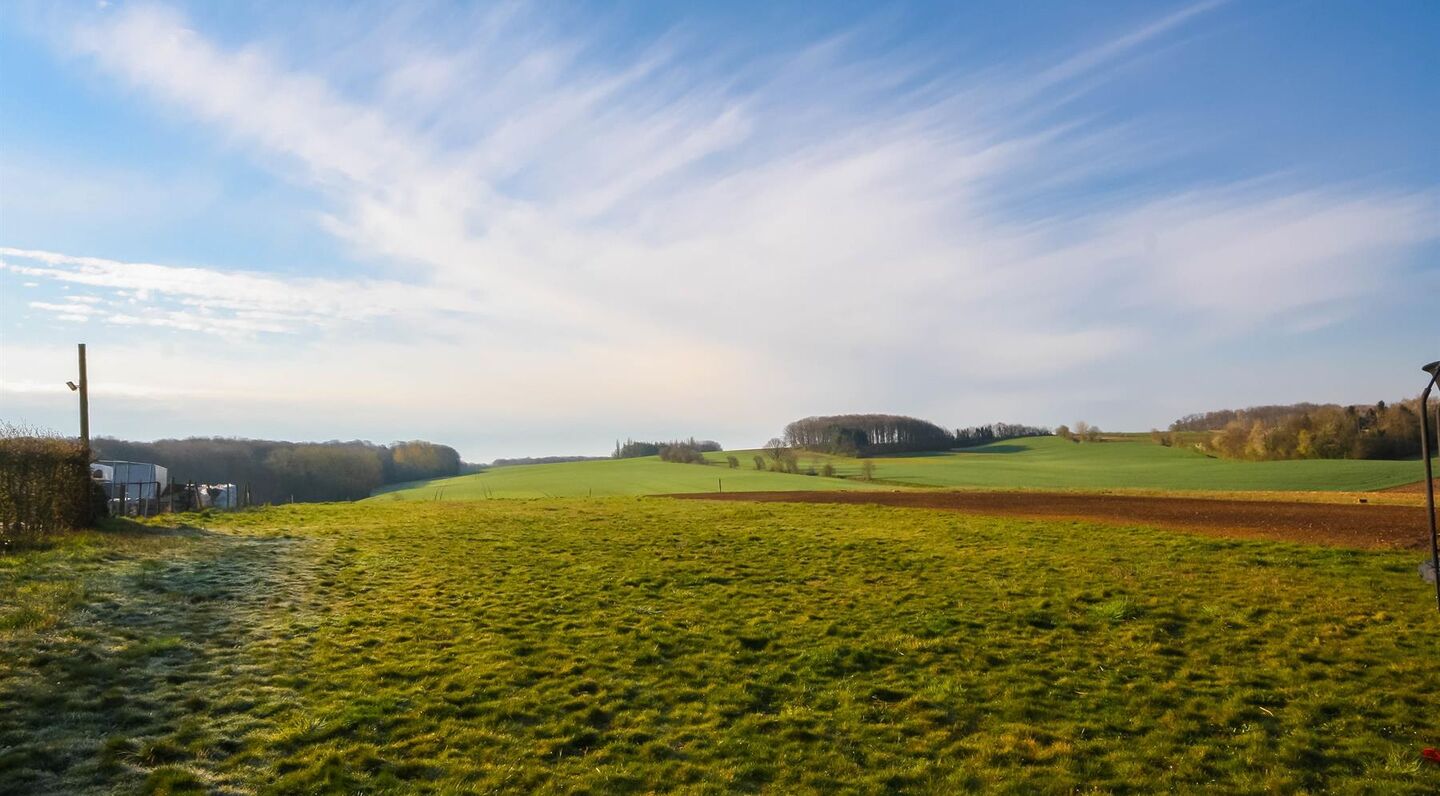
142,489
133,488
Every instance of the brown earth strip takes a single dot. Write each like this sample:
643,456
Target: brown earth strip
1341,525
1418,487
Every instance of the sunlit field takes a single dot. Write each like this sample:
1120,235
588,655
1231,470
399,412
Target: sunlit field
1032,463
636,645
641,476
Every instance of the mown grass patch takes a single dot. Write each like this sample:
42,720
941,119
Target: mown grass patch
632,645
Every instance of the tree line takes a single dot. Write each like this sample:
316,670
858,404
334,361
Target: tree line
277,472
1218,419
1311,431
680,449
523,460
868,434
980,435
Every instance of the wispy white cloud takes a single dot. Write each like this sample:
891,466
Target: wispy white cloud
643,222
229,302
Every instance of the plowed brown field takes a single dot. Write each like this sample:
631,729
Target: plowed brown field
1357,525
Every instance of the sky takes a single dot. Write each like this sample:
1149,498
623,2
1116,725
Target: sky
532,229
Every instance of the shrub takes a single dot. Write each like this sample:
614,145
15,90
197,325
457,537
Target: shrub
759,462
733,462
45,487
828,470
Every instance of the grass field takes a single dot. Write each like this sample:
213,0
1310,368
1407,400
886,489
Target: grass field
1050,462
636,645
642,476
1034,463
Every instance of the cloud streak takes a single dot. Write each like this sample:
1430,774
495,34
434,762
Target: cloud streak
822,218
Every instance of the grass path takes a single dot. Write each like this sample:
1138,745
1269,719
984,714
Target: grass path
631,645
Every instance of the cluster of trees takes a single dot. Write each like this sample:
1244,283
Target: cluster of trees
979,435
687,452
783,459
861,435
1312,431
275,472
634,449
1214,421
1083,432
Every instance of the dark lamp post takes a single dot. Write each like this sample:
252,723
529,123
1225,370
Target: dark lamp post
1434,370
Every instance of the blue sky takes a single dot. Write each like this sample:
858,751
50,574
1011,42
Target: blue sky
533,228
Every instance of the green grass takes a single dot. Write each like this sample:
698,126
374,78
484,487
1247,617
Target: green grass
641,476
1050,462
641,645
1034,463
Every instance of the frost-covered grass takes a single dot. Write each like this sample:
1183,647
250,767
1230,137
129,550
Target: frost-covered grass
637,645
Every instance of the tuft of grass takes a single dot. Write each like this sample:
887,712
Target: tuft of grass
173,781
1122,609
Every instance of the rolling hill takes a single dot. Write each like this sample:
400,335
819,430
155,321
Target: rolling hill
641,476
1053,463
1030,463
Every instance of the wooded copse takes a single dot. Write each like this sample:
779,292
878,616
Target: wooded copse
276,472
1312,431
858,435
867,434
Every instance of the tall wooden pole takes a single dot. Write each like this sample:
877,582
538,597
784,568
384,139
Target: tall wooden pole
84,403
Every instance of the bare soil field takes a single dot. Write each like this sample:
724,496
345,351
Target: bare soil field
1354,525
1417,488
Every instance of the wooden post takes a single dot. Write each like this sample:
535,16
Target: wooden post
84,404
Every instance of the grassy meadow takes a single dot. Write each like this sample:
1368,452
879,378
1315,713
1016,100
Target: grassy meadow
1031,463
1054,463
612,477
636,645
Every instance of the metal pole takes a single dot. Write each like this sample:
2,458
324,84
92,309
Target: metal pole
84,404
1434,370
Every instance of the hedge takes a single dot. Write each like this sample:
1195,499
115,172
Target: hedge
45,487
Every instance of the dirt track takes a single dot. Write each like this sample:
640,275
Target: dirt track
1338,524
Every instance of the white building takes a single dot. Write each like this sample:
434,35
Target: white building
137,480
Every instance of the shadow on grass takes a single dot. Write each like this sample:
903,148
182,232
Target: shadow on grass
126,527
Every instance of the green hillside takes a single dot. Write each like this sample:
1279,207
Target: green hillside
1053,463
1033,463
642,476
